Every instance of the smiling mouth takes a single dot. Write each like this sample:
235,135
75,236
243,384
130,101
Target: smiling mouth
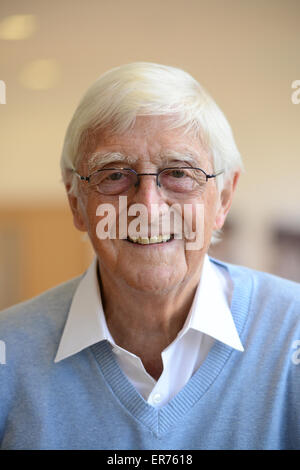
150,240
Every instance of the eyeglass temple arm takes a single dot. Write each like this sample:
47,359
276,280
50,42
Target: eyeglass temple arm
215,174
83,178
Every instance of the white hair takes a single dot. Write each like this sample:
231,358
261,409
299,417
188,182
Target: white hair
141,88
147,89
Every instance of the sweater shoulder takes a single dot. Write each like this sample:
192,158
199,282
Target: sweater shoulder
49,307
271,305
266,288
279,286
281,289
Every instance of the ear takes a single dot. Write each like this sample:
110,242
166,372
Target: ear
76,210
225,202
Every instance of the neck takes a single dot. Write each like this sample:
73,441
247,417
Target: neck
145,323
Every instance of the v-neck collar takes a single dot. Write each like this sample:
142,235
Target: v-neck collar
160,420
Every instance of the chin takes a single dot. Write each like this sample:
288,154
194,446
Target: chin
158,279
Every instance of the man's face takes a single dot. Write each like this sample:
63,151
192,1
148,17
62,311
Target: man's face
159,266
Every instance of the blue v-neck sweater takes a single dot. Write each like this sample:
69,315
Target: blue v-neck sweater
235,400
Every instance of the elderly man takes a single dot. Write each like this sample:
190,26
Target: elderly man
156,346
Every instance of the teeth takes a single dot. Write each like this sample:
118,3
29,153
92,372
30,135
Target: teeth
148,241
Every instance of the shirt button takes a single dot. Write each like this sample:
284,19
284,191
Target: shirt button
156,398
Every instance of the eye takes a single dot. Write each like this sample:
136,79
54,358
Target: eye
113,181
115,176
177,173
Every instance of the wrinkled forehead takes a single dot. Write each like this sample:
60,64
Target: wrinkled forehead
149,140
166,157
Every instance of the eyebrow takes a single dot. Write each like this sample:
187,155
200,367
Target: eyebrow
99,159
168,156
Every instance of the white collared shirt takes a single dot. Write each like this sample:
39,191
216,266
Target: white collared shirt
209,319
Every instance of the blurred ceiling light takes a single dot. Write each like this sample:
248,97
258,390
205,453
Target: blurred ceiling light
40,74
17,27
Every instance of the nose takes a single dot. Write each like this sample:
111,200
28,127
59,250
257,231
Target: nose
147,191
150,195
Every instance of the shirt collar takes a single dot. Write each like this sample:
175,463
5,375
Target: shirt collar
86,324
210,313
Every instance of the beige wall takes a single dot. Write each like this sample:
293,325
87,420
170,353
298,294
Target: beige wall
39,248
246,53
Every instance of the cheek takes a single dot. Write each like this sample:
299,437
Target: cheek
99,218
92,219
210,213
212,198
210,216
200,216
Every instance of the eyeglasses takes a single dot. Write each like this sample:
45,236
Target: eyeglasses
174,181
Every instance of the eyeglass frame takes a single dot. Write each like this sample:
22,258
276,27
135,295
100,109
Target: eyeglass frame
207,176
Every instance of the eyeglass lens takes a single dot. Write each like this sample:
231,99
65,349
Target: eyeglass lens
174,180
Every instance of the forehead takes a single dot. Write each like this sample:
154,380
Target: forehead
150,140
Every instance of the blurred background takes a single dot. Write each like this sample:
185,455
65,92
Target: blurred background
246,53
